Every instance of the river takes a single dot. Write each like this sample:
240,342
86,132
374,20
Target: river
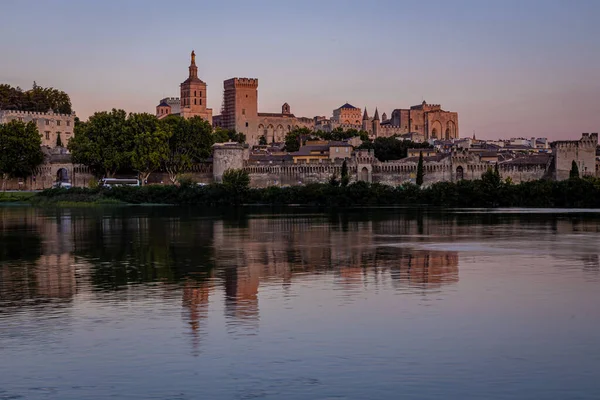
189,303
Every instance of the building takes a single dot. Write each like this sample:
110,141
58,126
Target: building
582,151
50,126
192,101
240,112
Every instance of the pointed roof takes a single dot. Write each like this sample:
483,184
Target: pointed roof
163,104
365,115
376,117
347,105
193,70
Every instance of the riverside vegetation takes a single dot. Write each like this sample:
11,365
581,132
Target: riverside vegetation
489,191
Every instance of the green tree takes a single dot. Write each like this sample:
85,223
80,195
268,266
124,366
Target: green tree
262,141
237,179
392,148
20,150
574,173
345,177
37,99
58,141
295,137
104,143
190,141
420,172
150,144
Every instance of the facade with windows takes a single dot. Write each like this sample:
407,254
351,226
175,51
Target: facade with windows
51,126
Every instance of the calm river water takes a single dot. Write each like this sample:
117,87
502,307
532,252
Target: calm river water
177,303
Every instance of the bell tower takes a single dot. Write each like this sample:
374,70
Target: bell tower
193,94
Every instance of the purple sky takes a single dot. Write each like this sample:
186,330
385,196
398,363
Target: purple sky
509,68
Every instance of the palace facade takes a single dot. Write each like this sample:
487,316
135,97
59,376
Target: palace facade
240,112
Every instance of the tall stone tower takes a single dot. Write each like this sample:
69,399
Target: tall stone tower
376,123
193,95
240,107
365,121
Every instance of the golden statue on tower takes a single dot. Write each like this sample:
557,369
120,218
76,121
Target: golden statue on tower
193,57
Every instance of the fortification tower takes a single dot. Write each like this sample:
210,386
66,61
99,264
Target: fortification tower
365,121
240,107
376,124
226,156
193,95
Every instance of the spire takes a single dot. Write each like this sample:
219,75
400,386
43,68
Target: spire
376,117
193,69
365,115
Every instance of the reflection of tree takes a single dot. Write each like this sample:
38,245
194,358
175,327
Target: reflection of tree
147,247
19,242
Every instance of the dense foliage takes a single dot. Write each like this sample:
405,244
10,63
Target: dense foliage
20,150
490,191
114,142
36,99
390,148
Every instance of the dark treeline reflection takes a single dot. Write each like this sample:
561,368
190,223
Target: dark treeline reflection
56,253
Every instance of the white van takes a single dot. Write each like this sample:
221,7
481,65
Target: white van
111,182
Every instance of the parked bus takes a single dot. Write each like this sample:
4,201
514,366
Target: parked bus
111,182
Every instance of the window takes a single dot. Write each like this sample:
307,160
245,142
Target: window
416,127
337,150
246,124
200,101
201,93
47,134
68,123
243,111
57,123
194,93
194,101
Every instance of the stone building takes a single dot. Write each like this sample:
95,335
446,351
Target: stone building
347,115
192,101
50,126
582,151
240,112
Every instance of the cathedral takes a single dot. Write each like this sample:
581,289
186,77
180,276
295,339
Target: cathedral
239,112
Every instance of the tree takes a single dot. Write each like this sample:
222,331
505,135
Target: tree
574,173
150,144
420,172
37,99
104,143
20,150
190,141
262,141
345,177
236,179
391,148
58,141
294,138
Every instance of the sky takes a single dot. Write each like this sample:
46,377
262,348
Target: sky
509,68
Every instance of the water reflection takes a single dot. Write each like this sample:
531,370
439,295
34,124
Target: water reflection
278,301
53,255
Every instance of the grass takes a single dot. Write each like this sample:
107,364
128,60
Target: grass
16,197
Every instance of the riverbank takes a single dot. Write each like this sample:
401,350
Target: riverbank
578,193
16,197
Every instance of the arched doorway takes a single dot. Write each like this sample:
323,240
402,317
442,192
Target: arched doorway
364,174
459,173
62,175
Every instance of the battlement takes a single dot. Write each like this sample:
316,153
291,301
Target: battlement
17,113
587,140
241,82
